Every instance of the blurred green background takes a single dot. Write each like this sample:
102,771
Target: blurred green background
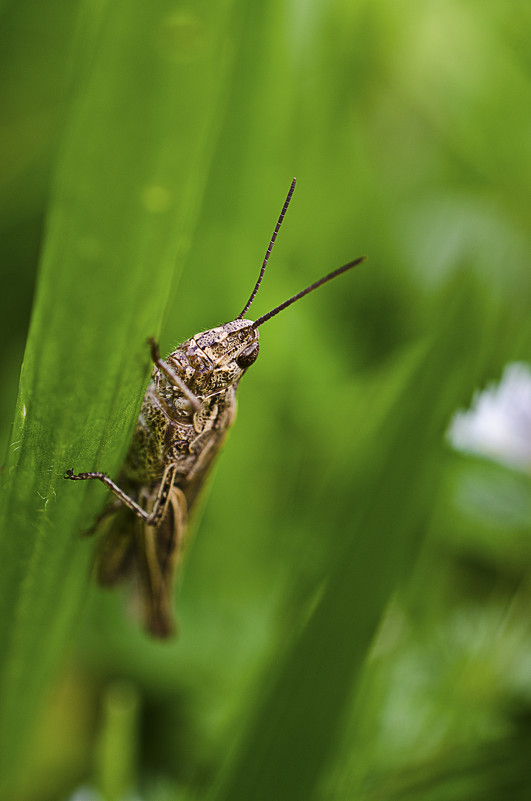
354,607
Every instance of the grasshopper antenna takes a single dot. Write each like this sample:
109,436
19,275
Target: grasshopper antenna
308,289
269,249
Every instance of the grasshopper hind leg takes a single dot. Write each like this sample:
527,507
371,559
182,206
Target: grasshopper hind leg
159,551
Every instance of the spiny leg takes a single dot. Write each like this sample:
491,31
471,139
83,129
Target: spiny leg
175,379
161,499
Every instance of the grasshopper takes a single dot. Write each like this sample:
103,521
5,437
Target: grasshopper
189,405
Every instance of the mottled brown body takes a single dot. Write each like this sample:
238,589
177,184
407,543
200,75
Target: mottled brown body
169,430
173,448
187,410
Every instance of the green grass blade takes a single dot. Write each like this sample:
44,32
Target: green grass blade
123,205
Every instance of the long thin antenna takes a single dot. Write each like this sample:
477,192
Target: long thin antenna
308,289
269,249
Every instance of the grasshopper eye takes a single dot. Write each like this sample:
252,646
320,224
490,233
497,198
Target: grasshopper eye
248,356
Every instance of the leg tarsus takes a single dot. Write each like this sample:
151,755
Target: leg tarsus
83,476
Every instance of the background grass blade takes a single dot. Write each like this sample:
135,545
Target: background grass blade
297,728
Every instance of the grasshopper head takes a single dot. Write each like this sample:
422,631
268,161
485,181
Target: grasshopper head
221,355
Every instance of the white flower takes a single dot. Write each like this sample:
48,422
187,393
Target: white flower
498,425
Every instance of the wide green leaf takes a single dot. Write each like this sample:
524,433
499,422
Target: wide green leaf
124,200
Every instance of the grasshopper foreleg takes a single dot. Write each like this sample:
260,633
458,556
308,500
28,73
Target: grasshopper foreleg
160,504
171,375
